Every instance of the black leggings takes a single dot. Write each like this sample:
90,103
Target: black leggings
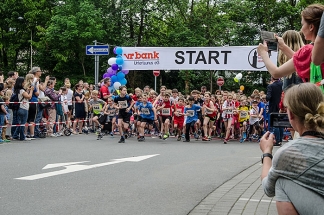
188,126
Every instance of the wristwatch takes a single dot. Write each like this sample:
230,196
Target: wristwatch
266,155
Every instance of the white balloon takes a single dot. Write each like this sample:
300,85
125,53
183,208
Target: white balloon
239,76
112,61
117,85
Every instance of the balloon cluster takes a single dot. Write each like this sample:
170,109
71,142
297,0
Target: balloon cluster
116,72
238,77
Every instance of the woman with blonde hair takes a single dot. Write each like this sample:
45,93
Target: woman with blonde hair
29,82
296,173
290,42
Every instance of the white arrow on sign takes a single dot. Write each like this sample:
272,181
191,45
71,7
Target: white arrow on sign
92,50
75,167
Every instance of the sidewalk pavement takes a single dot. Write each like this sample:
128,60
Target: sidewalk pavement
243,194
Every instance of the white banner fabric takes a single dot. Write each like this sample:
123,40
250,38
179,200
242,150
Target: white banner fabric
194,58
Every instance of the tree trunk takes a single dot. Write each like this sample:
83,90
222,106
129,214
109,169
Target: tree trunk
5,58
141,27
187,83
15,60
82,64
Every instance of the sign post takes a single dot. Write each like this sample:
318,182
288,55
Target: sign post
220,82
156,73
97,50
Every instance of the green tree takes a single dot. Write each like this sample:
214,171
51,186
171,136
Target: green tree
73,25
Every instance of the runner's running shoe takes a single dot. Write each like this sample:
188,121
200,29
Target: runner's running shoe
122,140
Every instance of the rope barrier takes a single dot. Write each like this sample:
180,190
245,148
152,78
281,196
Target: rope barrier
43,123
49,102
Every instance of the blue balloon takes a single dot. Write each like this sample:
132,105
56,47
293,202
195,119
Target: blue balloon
120,76
123,81
120,67
120,61
119,50
114,78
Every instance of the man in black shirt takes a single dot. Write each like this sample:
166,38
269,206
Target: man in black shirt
274,91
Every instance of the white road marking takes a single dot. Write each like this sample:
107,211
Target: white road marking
75,167
54,165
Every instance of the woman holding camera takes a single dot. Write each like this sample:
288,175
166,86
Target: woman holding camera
296,174
300,61
21,115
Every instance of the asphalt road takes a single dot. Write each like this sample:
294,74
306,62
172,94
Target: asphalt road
173,180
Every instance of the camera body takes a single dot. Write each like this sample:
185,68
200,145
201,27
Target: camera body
271,40
279,120
272,46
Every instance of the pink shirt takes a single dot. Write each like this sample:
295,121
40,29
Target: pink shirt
302,60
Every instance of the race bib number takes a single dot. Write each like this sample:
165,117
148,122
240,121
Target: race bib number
243,114
190,113
179,110
209,112
111,112
96,107
122,104
145,111
229,111
166,112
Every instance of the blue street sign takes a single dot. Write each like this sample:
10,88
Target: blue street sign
97,50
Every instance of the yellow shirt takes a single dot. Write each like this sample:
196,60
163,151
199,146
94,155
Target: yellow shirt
243,113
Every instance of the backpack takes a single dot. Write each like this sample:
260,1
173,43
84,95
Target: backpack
14,98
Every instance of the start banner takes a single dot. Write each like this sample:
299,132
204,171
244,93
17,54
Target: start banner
194,58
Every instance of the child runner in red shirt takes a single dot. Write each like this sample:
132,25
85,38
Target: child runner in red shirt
166,112
178,110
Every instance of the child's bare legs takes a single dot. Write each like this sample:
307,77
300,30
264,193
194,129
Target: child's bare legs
228,126
205,125
166,126
113,124
211,128
74,125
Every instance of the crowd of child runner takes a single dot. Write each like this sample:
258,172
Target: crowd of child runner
226,115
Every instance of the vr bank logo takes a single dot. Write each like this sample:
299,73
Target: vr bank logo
143,58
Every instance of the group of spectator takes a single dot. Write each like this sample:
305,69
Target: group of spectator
295,173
